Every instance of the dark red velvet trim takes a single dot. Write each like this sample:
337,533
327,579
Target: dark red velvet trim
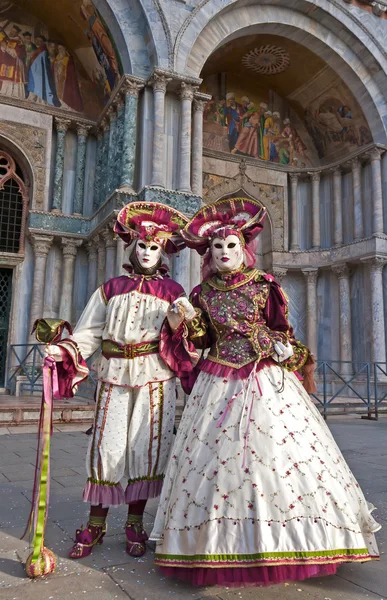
175,350
213,368
68,370
163,288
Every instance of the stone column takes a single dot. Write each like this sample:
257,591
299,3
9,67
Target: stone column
41,245
120,108
98,171
343,273
195,267
358,222
62,126
105,161
110,246
112,166
159,83
182,268
311,276
377,194
121,258
316,236
82,133
91,248
337,207
101,250
132,90
69,249
197,147
294,241
378,342
186,95
279,273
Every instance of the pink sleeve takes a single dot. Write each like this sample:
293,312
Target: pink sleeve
176,350
72,370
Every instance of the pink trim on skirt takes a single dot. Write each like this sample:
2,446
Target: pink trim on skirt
213,368
248,576
142,490
107,495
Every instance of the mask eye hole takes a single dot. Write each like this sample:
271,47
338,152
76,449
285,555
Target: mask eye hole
142,245
218,246
154,248
231,245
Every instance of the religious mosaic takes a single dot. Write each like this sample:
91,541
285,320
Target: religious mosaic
37,65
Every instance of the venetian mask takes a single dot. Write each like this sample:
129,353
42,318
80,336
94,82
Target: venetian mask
227,253
148,254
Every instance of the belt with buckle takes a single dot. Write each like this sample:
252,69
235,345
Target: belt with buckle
112,349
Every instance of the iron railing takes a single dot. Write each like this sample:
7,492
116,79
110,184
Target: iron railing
341,385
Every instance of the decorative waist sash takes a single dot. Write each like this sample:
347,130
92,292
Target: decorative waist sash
112,349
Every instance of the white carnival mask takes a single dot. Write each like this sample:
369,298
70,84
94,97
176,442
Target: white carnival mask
227,253
148,254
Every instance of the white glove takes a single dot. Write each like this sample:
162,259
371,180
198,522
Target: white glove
183,305
283,352
54,352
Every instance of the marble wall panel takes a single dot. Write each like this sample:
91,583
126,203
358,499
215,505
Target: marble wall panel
327,316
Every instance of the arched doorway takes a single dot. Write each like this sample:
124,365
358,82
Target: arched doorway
13,213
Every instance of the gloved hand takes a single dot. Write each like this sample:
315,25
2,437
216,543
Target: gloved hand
54,352
179,311
283,352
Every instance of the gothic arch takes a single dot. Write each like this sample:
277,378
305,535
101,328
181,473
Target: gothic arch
356,57
18,192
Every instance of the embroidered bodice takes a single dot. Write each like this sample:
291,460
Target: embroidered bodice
240,316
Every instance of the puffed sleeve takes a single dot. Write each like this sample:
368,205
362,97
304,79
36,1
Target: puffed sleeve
198,328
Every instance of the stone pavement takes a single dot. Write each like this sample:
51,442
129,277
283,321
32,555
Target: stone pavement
109,574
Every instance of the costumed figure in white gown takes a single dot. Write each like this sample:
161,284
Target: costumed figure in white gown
140,356
256,491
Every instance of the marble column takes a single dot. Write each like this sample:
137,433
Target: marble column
159,83
316,235
197,147
378,340
182,268
112,166
358,222
92,253
82,133
311,276
186,95
41,245
337,207
343,272
121,257
62,126
120,108
101,250
128,162
195,268
98,171
105,161
110,246
294,239
69,249
377,194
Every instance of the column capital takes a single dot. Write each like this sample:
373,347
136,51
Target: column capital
131,87
376,263
294,177
199,105
83,129
62,124
314,175
355,163
187,91
342,271
70,245
374,153
99,134
112,113
108,236
105,125
336,171
159,82
311,275
279,272
41,243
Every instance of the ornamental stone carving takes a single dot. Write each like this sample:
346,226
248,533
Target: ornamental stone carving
187,91
62,124
70,246
311,275
41,244
342,271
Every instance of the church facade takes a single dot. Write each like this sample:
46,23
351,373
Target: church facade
105,102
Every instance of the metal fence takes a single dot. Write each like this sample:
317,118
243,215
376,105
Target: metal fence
341,386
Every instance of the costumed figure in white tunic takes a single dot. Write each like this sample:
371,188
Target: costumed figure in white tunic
256,491
140,356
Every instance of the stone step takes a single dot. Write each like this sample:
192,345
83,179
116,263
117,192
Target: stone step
64,412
